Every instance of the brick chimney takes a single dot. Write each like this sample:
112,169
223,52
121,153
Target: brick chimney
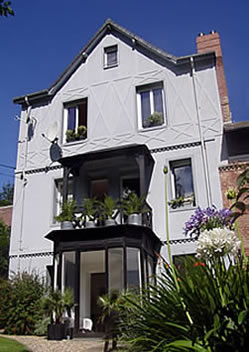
211,42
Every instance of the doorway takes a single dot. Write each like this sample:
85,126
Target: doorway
92,286
98,289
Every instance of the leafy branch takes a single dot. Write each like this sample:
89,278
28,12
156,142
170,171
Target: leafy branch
5,9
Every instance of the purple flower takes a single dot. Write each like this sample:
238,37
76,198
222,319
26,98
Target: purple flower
207,219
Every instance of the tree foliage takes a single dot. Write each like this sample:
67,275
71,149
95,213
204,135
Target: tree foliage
5,8
241,204
4,249
7,194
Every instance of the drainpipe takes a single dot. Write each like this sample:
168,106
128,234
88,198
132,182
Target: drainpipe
203,144
23,177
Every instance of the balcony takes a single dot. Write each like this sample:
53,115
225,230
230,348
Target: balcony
108,255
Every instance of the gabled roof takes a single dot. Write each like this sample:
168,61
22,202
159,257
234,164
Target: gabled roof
108,27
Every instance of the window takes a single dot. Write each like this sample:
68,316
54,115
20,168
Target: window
150,102
115,265
133,268
75,121
110,56
179,261
182,183
130,184
59,195
99,188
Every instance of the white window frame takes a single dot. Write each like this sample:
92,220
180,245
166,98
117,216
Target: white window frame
58,196
150,88
65,122
105,63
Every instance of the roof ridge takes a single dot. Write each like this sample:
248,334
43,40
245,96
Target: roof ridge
108,25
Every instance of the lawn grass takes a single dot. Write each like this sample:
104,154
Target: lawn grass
8,345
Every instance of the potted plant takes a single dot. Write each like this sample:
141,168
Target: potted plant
89,211
70,136
110,317
107,210
177,202
81,131
56,304
134,206
181,201
66,216
155,119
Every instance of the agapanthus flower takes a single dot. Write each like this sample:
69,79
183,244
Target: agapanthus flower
207,219
217,242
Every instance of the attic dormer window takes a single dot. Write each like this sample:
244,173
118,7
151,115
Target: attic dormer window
111,56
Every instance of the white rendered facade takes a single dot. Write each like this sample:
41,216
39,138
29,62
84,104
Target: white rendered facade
190,133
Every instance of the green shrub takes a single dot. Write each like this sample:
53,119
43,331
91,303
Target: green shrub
23,307
4,249
5,290
41,326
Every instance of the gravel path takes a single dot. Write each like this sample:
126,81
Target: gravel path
41,344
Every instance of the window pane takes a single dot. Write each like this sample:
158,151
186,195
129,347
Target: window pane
151,270
71,122
133,268
111,58
158,100
59,194
145,107
111,55
184,181
83,113
69,271
183,178
115,262
56,272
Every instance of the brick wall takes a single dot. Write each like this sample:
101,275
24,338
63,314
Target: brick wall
228,177
6,214
211,42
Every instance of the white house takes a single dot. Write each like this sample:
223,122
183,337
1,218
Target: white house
143,109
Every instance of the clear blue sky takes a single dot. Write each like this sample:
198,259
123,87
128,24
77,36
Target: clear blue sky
45,35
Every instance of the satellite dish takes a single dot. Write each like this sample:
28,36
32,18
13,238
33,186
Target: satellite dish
52,131
55,152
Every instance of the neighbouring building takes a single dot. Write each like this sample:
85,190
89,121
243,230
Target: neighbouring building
6,214
141,110
236,147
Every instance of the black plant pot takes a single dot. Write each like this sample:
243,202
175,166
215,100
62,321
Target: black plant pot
56,331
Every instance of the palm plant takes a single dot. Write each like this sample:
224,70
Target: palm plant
110,317
134,204
56,303
108,207
67,212
90,208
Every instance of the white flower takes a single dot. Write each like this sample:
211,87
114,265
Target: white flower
217,242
